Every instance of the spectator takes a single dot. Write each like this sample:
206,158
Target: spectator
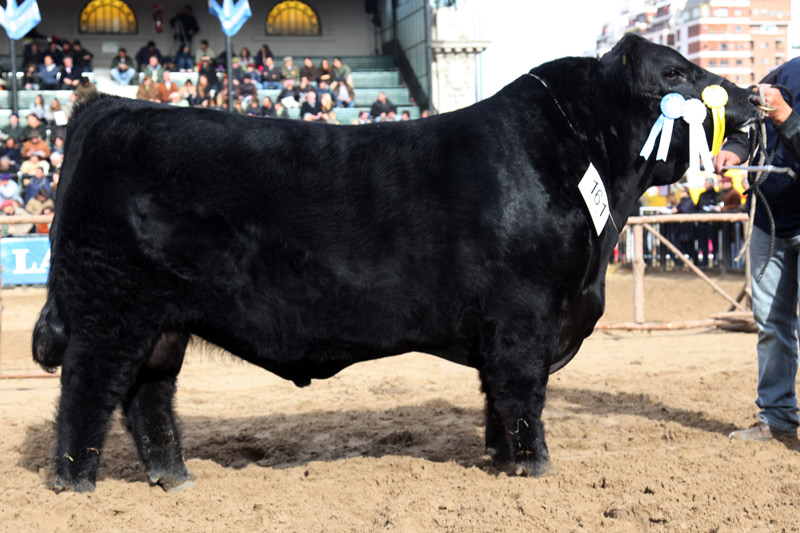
204,52
10,151
184,27
145,53
684,234
37,204
405,116
70,74
58,146
29,166
35,146
345,95
325,71
56,160
148,91
728,198
391,116
255,75
84,89
9,188
253,109
311,110
207,67
55,114
55,53
381,107
13,128
154,70
363,118
341,74
32,54
81,57
237,71
189,93
122,70
247,91
706,232
66,50
303,89
34,124
271,74
775,295
48,74
204,89
327,105
280,111
184,62
37,182
37,107
267,107
31,79
425,113
323,88
166,88
309,71
245,57
12,208
261,57
289,71
289,96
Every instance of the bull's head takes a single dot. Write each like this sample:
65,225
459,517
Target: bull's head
637,70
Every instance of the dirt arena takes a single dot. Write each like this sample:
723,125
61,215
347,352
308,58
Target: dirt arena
637,426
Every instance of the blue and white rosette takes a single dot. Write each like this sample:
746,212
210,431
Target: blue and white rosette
671,109
694,113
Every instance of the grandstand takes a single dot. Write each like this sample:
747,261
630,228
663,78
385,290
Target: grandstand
371,75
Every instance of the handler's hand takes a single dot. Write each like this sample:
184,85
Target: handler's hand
725,158
774,98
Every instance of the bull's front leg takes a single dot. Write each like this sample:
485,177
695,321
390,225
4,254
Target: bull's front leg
514,378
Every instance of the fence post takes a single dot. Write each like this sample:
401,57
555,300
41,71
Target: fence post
638,274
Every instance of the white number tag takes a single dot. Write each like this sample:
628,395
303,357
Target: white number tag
594,194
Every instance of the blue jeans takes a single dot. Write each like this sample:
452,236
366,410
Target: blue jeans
272,85
775,309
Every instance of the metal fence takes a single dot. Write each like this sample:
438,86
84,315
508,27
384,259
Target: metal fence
406,36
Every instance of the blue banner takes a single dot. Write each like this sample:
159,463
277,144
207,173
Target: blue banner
231,17
18,20
25,261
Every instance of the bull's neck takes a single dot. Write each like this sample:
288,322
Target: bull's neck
602,133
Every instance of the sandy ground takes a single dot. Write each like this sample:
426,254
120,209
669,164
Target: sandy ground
636,426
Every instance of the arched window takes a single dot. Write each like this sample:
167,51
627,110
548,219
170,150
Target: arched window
108,16
292,17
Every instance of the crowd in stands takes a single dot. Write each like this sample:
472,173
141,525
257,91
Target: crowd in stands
315,90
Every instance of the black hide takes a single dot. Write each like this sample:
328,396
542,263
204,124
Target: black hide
305,248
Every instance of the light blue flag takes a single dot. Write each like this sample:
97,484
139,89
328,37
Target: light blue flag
18,20
230,16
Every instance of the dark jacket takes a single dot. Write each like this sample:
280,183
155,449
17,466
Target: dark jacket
782,192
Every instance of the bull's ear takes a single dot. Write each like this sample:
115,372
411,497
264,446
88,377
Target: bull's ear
623,67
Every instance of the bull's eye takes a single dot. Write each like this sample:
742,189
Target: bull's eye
673,74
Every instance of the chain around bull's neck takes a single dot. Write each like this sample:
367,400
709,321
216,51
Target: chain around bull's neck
575,132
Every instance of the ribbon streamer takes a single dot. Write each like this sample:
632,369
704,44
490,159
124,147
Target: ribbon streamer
694,113
671,110
715,97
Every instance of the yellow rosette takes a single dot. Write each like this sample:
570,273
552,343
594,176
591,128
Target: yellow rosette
715,97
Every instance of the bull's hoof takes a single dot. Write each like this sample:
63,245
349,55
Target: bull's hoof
533,468
63,485
172,482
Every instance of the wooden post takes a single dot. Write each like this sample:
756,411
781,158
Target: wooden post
691,266
638,274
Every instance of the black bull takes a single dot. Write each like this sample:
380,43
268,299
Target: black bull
306,248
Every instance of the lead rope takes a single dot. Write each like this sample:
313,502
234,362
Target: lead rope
764,159
574,132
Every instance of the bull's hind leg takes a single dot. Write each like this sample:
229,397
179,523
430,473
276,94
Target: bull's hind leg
98,369
150,417
515,376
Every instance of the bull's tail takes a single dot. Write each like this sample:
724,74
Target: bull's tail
49,337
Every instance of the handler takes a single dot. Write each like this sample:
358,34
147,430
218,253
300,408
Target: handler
775,296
